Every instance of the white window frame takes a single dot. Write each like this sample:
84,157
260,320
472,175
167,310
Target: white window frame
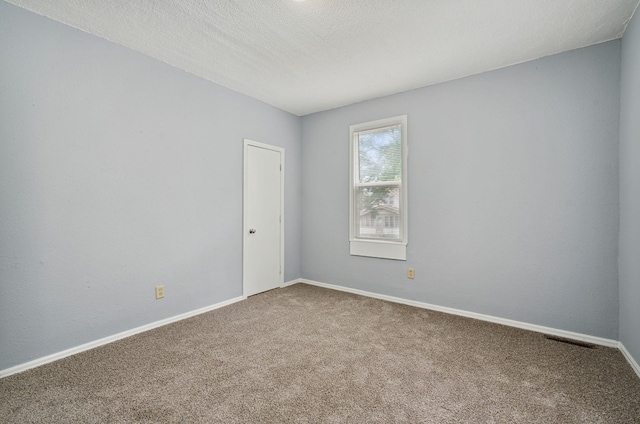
385,249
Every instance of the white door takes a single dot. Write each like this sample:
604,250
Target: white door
262,259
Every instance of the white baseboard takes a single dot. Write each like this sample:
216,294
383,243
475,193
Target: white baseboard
87,346
290,283
629,358
511,323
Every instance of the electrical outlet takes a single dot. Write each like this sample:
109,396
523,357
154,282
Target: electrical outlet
159,292
411,273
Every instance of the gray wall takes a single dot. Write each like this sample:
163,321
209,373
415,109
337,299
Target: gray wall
630,190
118,173
513,193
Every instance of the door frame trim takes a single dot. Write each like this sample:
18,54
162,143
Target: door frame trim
245,229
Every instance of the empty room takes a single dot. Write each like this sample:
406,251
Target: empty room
308,211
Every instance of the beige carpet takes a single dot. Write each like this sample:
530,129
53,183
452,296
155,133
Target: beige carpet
306,354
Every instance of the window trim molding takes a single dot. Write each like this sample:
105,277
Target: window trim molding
396,250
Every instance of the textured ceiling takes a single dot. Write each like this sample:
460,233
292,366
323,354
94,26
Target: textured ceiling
314,55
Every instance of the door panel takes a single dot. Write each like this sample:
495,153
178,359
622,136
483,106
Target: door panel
262,219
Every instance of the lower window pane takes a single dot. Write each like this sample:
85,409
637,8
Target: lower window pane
378,213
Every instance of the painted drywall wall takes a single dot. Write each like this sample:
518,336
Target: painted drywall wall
118,173
629,260
513,193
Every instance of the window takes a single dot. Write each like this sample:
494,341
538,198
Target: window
378,192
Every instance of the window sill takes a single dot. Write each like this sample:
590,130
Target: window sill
379,249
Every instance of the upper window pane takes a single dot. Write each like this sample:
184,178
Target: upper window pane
380,154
